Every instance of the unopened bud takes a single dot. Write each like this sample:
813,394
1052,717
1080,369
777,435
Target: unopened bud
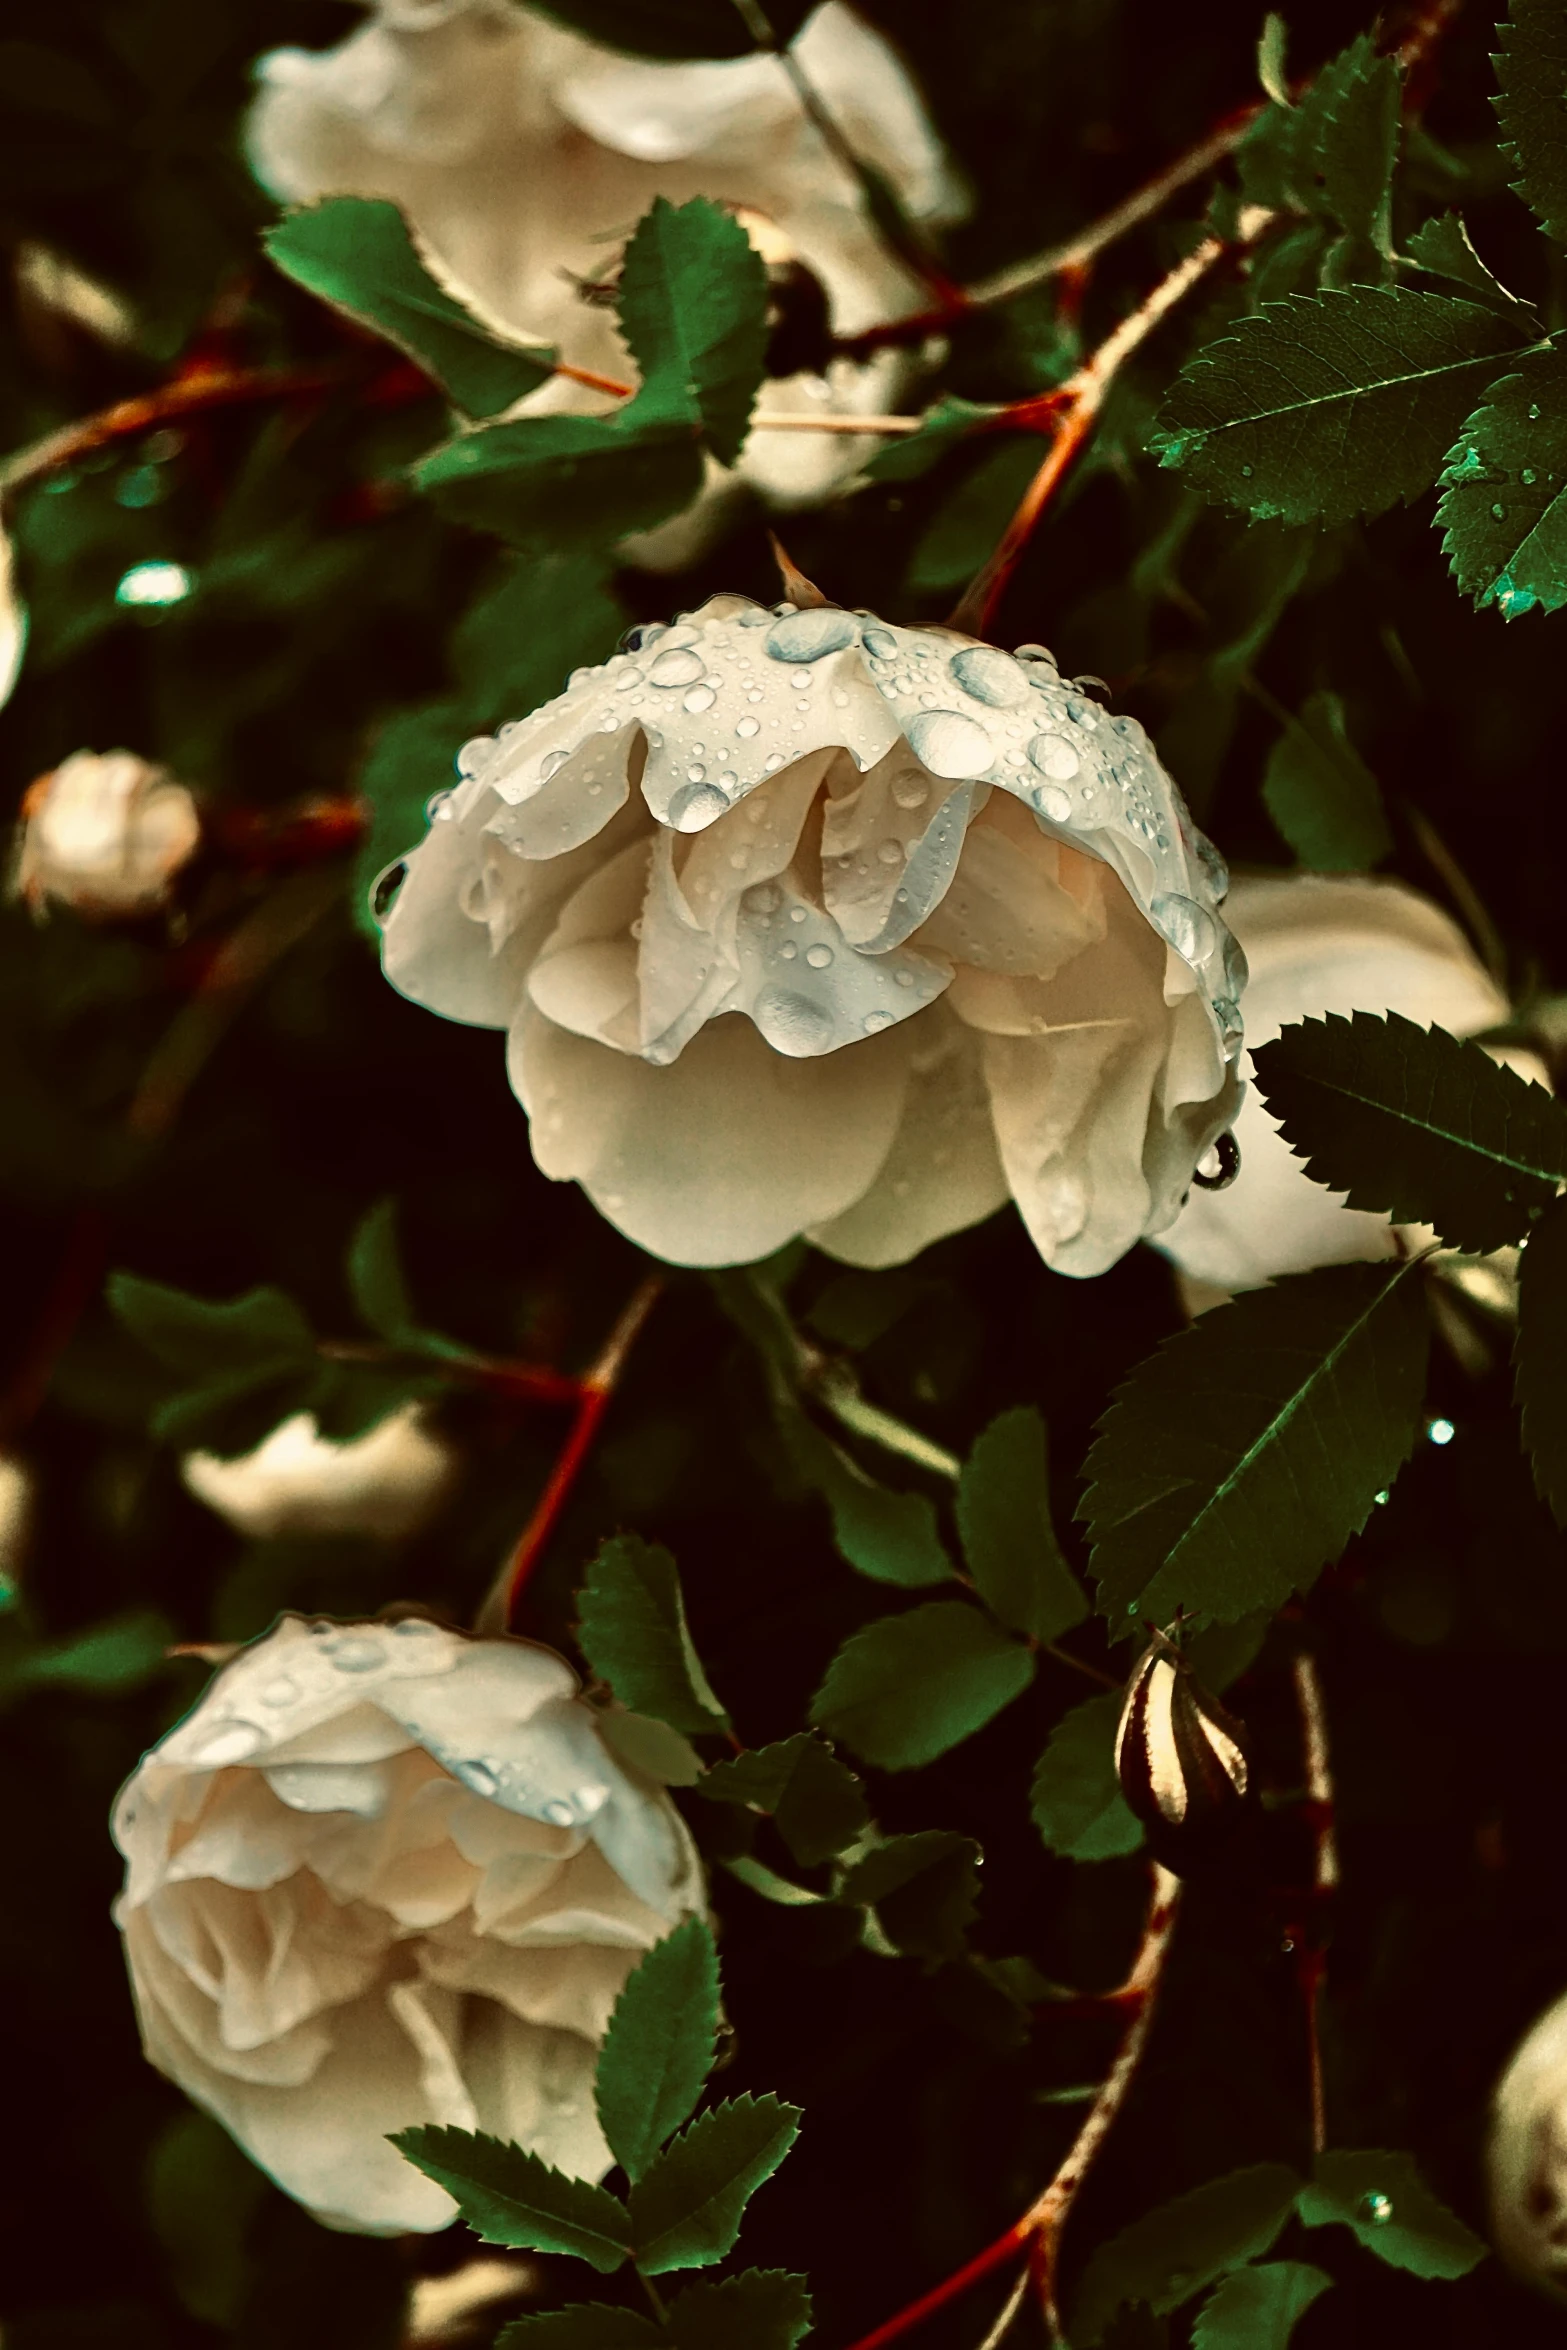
1181,1760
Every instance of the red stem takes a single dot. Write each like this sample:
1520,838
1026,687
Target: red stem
1015,2240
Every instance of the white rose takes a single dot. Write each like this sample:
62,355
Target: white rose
389,1482
524,155
104,834
387,1874
798,922
1317,944
1527,2156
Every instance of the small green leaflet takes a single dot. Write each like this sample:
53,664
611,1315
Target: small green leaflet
816,1801
892,1537
693,310
1531,74
906,1688
923,1887
1322,795
1392,2211
1076,1797
1237,1461
941,428
1272,50
262,1334
632,1630
1503,510
1322,407
1412,1123
1171,2253
1442,246
675,28
1356,101
1540,1356
547,481
357,253
508,2196
589,2325
1010,1544
120,1652
659,2047
687,2208
650,1746
761,2309
1256,2308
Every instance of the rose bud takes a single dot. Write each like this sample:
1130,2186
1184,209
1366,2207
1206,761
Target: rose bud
1181,1760
104,834
386,1874
799,923
1526,2158
387,1483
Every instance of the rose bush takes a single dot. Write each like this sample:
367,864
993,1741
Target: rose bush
1314,944
386,1874
522,153
798,922
388,1482
105,833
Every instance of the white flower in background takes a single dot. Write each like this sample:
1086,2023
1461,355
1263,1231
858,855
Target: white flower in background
798,922
389,1482
17,1501
387,1874
105,834
1318,944
1527,2156
523,156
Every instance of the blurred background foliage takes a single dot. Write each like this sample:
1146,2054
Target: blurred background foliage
328,628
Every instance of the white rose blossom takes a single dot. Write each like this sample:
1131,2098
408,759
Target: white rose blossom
389,1482
106,834
1318,943
386,1874
801,923
1527,2156
523,156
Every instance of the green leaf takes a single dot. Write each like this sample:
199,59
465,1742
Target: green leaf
1540,1356
262,1333
1392,2211
1172,2253
120,1652
651,1747
906,1688
1531,75
589,2325
1503,510
1256,2308
1272,46
816,1801
1239,1459
761,2309
923,1887
1410,1122
544,482
659,2046
686,2211
375,1275
693,310
1355,101
675,28
1322,795
358,253
1003,1507
1076,1797
1326,406
942,426
760,1879
632,1629
1442,246
508,2196
892,1537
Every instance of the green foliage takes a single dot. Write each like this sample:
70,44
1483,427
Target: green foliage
1169,2255
1327,406
892,1537
1442,246
119,1653
1008,1538
202,2196
1540,1356
687,2208
815,1800
632,1629
923,1887
944,424
1331,152
906,1688
660,2045
1504,492
508,2196
1256,2308
1392,2211
1076,1797
1238,1460
1322,795
546,481
589,2325
1531,74
763,2308
1410,1121
361,256
693,310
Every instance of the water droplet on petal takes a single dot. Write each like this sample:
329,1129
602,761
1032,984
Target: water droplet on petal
479,1776
792,1024
1054,756
1053,802
949,744
700,698
552,764
678,666
818,957
874,1022
880,643
1187,926
806,636
359,1652
438,809
558,1813
281,1691
696,805
226,1743
910,790
990,676
890,852
745,728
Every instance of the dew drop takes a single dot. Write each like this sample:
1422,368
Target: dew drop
1528,477
788,951
1187,926
949,744
910,790
438,810
1054,756
880,643
557,1812
745,728
475,755
990,676
1374,2209
678,666
792,1024
806,636
696,805
225,1743
281,1691
479,1776
552,764
819,957
890,852
1534,411
1499,512
874,1022
1053,802
358,1653
700,698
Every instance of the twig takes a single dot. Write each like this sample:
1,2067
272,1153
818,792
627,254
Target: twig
1462,891
1075,405
1311,1963
836,1388
1038,2232
1009,2309
802,420
595,1389
519,1381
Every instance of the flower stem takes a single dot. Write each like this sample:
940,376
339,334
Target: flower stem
1311,1965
